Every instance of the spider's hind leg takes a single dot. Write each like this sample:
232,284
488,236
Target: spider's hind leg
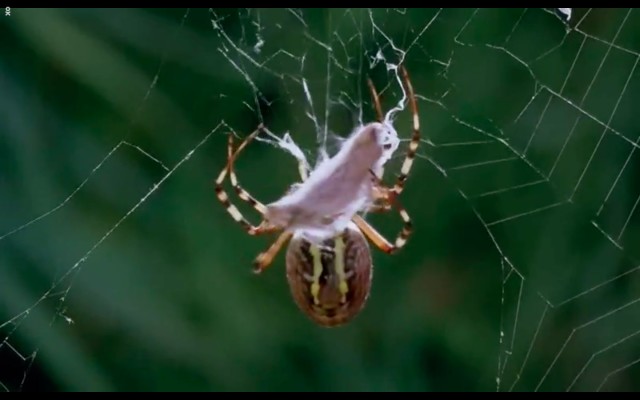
265,258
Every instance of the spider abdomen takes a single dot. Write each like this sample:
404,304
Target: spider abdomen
330,281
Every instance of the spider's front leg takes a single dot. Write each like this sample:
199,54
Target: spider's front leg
385,198
415,136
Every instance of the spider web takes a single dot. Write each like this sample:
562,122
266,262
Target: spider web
525,176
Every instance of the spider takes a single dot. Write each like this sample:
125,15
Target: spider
328,259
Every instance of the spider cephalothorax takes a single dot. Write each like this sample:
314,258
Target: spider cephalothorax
329,265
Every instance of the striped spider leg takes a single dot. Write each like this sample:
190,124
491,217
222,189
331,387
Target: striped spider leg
386,198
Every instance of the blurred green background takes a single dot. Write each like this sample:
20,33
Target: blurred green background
522,271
